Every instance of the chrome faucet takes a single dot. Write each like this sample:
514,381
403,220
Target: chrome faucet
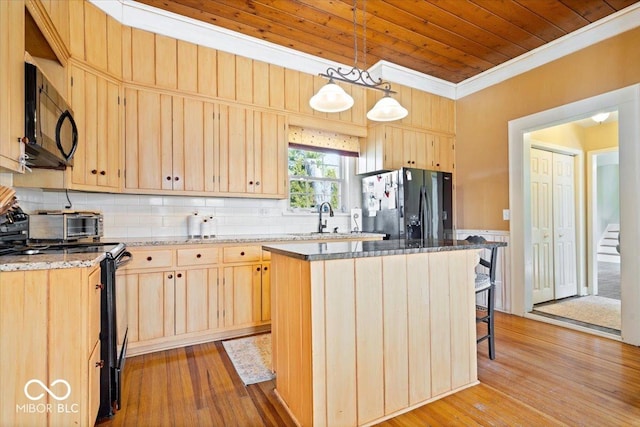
322,226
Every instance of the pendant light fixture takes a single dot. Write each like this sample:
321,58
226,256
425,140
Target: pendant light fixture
331,98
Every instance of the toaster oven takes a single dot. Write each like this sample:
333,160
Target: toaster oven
65,226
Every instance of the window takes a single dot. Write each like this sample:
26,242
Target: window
315,177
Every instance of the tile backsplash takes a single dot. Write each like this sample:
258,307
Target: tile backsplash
129,215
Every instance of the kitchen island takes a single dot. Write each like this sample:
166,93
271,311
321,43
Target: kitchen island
364,331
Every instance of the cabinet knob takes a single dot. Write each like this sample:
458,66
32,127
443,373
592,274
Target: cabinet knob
257,268
179,275
149,258
168,178
177,178
413,162
242,253
199,256
100,364
94,172
408,162
257,182
99,286
250,182
265,269
103,173
437,164
170,276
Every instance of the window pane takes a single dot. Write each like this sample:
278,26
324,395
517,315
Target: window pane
314,178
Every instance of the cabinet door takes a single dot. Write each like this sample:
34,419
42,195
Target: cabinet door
148,141
266,167
95,101
241,294
443,156
95,294
235,130
11,83
189,144
155,305
93,395
197,301
394,149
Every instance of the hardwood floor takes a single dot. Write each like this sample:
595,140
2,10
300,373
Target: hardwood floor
543,375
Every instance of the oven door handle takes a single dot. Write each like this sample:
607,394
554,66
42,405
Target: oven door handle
125,258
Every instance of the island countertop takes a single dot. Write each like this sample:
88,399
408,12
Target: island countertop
361,249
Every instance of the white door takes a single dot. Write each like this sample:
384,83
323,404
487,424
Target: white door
542,225
564,230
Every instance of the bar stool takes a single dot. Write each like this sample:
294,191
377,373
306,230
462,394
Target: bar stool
485,283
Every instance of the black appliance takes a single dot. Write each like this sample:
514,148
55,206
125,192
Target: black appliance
51,131
14,227
113,357
111,373
409,203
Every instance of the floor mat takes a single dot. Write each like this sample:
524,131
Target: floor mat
591,309
251,356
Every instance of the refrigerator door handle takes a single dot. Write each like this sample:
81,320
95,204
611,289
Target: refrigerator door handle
424,211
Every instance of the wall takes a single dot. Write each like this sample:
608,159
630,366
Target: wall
608,196
482,164
128,215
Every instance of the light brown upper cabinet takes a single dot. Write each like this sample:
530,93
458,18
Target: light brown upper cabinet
168,143
390,147
96,103
11,84
252,147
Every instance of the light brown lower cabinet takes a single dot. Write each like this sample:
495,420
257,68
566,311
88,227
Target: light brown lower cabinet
182,295
50,357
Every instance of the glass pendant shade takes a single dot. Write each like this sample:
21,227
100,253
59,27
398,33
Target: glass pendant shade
331,98
387,109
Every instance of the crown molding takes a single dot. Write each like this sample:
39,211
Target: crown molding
141,16
610,26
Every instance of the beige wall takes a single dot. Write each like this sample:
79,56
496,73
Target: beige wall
482,164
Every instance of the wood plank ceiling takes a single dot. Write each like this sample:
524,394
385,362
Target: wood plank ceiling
449,39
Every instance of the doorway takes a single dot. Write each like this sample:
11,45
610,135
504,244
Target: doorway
627,102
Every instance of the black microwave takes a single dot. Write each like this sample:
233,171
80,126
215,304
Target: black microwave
51,131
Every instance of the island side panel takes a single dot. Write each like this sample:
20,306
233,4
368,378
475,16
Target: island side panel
419,326
291,334
369,338
439,293
396,345
463,325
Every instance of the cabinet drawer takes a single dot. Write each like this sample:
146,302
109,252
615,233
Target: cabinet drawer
242,254
197,256
266,255
152,258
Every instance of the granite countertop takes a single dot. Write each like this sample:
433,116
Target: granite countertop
250,238
49,261
360,249
88,259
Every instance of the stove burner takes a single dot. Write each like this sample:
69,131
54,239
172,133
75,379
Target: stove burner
57,248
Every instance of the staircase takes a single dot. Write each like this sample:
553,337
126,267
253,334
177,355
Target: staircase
607,247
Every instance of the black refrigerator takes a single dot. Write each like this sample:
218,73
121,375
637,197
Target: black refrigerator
408,204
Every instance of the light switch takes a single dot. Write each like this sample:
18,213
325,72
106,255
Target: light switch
506,214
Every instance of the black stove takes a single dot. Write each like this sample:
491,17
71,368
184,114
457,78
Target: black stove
56,248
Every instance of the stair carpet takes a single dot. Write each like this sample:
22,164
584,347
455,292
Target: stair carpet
607,251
